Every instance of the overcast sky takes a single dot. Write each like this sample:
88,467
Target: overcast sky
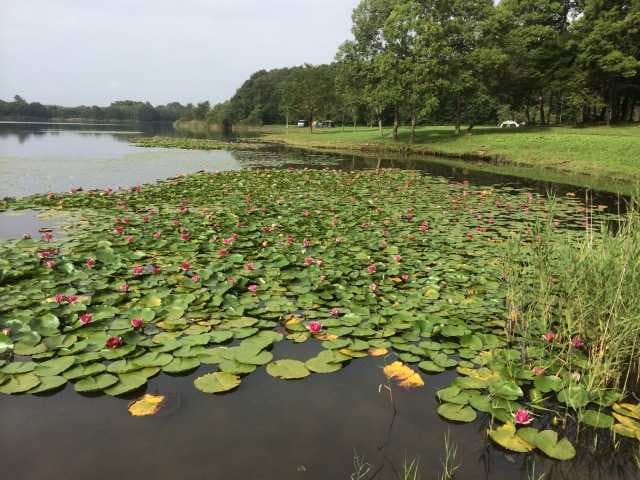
73,52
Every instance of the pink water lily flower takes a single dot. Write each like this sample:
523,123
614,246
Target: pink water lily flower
156,269
114,342
576,342
137,323
59,298
549,336
130,239
537,371
424,227
373,287
306,243
308,261
47,236
290,240
372,268
397,258
223,252
249,267
184,236
137,270
314,327
522,417
90,263
71,299
86,318
124,288
335,312
185,265
196,278
50,264
306,213
119,230
252,288
405,277
157,235
45,254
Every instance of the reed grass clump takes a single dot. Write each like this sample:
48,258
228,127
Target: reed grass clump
580,290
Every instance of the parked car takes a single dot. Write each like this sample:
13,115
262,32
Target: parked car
303,124
325,124
509,124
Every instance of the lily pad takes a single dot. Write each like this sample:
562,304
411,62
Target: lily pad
217,382
287,369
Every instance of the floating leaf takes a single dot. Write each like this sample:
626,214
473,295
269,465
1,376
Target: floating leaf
404,376
181,365
49,383
457,413
547,441
146,406
20,383
217,382
95,383
287,369
596,419
505,436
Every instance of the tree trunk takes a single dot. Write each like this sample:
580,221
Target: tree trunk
380,125
355,124
311,123
343,121
527,114
458,107
541,106
396,122
287,119
413,127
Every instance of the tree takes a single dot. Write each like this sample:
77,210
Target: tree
313,91
608,36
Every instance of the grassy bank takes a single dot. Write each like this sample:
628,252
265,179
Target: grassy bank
609,152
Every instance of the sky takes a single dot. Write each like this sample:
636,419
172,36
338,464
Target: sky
73,52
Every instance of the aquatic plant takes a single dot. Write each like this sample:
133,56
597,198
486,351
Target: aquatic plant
194,143
404,266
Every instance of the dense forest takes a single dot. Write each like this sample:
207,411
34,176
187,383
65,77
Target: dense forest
123,110
463,62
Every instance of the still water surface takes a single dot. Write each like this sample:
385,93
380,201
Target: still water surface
266,429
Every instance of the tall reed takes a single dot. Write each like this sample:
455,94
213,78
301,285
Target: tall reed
581,285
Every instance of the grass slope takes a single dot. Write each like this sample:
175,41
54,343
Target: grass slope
612,152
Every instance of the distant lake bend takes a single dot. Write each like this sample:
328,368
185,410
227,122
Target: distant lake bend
41,157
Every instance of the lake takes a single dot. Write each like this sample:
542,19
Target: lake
267,429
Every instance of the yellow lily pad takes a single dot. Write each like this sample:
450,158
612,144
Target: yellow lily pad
147,405
404,376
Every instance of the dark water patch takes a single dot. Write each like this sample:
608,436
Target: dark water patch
266,429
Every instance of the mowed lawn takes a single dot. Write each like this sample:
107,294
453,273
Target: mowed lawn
612,152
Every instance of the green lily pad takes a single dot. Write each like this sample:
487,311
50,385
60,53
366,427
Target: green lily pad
596,419
457,413
217,382
20,383
49,383
287,369
181,365
96,383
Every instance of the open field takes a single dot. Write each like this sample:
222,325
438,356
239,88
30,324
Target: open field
610,152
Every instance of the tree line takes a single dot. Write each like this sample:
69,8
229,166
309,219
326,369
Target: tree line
463,62
122,110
